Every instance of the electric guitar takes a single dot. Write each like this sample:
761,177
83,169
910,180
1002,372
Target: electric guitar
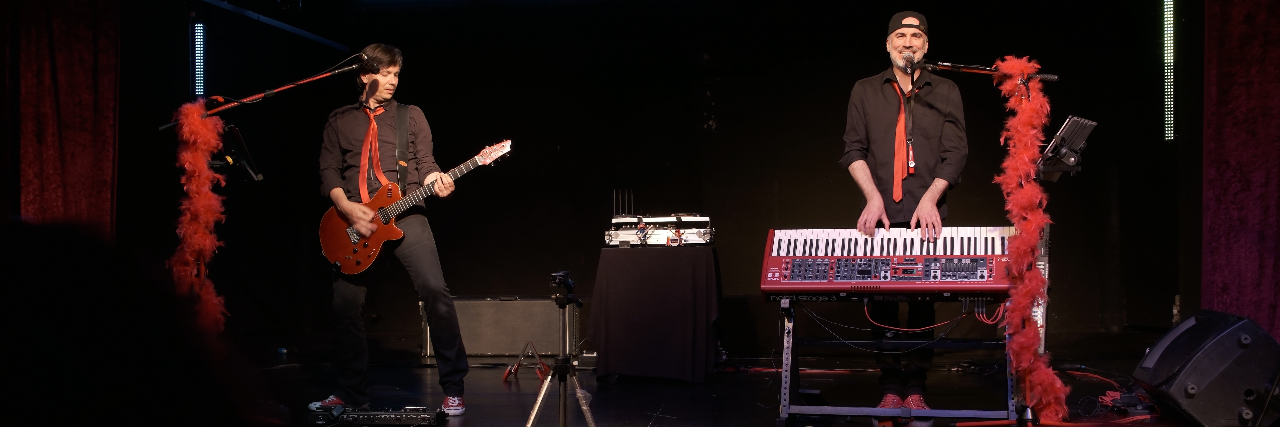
350,253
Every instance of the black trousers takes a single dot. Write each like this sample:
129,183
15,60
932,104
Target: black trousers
903,374
417,253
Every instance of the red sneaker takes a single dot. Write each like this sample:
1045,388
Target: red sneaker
330,402
890,401
915,401
453,406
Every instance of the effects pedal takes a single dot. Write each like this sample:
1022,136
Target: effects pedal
344,416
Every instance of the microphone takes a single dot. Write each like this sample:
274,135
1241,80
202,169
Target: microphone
909,62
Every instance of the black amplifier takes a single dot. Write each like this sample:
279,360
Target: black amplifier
409,416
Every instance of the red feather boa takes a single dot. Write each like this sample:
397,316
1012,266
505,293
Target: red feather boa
201,208
1024,202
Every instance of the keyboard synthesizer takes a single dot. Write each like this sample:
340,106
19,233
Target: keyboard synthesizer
962,260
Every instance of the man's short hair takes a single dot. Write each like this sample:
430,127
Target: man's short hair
376,57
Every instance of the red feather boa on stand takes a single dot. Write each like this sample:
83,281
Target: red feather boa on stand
1024,202
201,208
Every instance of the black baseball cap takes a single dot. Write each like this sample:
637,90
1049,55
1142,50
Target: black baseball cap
896,22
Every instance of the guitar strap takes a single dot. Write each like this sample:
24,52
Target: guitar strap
402,145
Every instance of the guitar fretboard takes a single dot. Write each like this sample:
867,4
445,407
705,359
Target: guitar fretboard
422,193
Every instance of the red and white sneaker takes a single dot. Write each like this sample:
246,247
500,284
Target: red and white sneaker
453,406
329,402
890,401
915,401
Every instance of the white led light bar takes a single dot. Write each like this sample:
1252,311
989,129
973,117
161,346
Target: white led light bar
198,52
1168,70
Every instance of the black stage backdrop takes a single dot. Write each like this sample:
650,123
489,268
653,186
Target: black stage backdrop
730,109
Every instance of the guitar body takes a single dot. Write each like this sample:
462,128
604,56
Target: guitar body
344,248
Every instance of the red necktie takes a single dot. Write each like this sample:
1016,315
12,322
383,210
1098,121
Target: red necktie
370,148
900,146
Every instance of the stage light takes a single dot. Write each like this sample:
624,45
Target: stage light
197,52
1168,70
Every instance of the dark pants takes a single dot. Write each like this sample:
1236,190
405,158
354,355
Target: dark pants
904,374
417,252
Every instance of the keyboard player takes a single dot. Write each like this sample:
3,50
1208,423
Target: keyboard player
905,145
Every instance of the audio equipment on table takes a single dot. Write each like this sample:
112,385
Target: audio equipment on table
344,416
843,262
671,230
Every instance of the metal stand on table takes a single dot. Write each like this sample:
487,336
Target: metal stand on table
563,369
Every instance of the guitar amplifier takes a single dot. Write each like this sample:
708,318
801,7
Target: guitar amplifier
499,326
672,230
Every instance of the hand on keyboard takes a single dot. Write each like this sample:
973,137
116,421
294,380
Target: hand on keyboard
872,214
930,221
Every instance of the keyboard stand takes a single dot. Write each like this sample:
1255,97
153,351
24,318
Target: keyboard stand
786,408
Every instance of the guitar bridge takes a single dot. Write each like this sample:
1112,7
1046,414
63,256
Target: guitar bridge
351,233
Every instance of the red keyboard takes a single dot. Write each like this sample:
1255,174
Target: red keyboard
826,261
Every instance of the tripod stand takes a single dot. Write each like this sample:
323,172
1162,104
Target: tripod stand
563,369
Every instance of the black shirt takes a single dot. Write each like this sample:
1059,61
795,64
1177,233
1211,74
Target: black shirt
344,136
936,119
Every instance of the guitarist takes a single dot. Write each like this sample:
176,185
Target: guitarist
357,158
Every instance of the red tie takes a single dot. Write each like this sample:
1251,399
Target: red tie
370,148
900,146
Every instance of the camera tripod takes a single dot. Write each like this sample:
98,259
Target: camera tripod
563,369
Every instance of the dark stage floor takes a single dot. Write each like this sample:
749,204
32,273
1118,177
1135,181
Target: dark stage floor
742,393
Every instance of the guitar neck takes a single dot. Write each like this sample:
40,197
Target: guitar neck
429,189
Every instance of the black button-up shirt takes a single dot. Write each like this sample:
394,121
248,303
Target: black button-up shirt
936,120
344,136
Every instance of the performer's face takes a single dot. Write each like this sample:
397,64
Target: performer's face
380,87
906,40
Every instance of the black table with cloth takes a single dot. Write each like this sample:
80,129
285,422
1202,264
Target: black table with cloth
652,312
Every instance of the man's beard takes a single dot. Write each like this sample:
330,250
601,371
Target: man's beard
900,64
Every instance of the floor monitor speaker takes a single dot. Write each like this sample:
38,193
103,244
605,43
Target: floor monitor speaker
1216,369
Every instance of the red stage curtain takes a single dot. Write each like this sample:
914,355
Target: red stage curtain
1242,161
66,54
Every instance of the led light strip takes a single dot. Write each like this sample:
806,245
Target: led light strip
198,51
1168,70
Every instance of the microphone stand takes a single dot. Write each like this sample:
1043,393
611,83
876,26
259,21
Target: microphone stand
980,70
266,94
1025,81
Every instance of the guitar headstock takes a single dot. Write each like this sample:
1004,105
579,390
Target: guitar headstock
493,152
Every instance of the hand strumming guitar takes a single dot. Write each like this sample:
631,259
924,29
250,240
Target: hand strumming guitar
358,215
